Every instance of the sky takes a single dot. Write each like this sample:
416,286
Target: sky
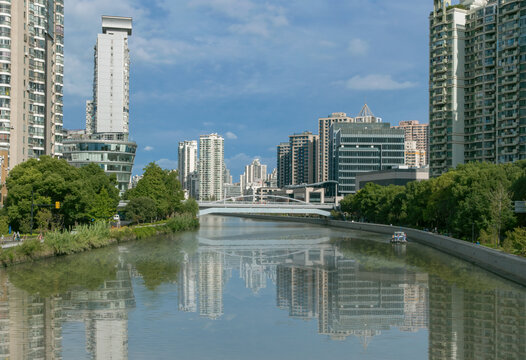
252,71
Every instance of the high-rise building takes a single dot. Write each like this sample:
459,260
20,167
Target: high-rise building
416,142
110,109
31,78
187,161
475,83
446,87
255,175
211,166
283,163
106,138
322,167
363,147
303,148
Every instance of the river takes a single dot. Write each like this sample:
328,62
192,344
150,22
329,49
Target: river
242,289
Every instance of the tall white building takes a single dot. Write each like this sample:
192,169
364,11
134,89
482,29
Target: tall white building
187,161
211,166
105,141
110,110
31,78
255,175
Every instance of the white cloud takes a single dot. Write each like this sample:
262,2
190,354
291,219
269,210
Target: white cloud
377,82
230,135
358,47
251,17
167,163
148,148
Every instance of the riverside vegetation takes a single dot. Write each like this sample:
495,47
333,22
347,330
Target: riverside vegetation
473,202
88,200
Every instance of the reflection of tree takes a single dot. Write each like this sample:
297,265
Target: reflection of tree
375,255
158,260
57,276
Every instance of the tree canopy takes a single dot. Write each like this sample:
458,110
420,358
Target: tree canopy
473,199
84,194
162,187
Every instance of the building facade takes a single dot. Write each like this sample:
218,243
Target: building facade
112,152
284,165
110,109
187,161
255,175
475,83
363,147
446,87
303,155
322,167
416,142
31,78
398,176
105,141
211,166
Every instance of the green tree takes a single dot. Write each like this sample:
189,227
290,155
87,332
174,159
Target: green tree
50,180
102,207
43,220
162,186
515,242
140,210
190,206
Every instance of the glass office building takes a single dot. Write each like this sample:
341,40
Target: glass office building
363,147
114,153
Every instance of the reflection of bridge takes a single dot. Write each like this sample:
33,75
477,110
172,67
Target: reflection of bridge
264,204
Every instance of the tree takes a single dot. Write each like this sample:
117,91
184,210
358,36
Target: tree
162,186
140,210
515,242
102,207
43,220
48,180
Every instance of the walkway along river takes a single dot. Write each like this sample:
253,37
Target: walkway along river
239,289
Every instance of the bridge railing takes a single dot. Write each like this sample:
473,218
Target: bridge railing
258,199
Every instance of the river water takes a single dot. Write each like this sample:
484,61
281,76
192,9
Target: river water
241,289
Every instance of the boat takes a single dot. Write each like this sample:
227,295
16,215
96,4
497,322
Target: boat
399,237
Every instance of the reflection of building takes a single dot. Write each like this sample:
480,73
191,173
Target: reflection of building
104,312
475,324
30,325
211,285
187,285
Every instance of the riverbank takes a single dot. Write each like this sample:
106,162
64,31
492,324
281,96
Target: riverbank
86,238
511,267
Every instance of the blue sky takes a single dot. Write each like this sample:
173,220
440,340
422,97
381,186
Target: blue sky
253,71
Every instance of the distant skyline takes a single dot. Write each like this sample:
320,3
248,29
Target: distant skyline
253,72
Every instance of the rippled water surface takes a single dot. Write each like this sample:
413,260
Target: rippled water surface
240,289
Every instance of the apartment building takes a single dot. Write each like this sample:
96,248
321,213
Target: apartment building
211,166
31,78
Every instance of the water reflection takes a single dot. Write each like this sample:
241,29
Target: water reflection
361,289
31,325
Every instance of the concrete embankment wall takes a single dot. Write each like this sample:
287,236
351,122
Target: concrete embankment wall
508,266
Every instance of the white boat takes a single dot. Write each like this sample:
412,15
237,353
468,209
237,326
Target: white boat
399,237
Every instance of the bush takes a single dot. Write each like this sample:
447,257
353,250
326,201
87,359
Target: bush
515,242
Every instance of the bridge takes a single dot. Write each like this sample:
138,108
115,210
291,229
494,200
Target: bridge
263,204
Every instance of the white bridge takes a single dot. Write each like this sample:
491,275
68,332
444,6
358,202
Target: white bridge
263,204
